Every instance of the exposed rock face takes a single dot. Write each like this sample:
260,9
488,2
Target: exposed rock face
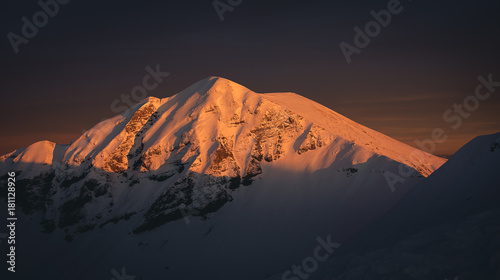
140,122
188,153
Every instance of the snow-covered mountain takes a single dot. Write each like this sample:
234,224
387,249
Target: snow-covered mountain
215,182
446,227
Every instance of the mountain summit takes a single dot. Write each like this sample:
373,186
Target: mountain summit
221,160
218,112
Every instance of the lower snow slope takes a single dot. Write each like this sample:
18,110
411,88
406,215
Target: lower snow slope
447,226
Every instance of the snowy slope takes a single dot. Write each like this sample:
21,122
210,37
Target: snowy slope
447,226
187,179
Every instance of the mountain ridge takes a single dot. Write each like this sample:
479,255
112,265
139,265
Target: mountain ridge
211,138
216,160
214,89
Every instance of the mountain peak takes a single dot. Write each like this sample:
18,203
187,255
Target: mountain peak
215,85
217,112
203,148
224,158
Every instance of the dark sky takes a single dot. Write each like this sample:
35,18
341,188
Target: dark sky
64,80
